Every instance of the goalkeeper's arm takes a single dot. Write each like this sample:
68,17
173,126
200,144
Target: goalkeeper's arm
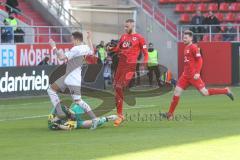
67,126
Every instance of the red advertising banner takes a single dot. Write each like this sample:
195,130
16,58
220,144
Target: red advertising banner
32,55
217,62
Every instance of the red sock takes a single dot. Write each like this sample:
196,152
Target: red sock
119,100
173,104
215,91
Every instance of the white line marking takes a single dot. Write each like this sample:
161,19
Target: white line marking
23,118
23,104
42,116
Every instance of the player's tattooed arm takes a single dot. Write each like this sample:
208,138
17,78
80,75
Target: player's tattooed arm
144,51
59,54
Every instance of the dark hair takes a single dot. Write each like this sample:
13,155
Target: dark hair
189,33
46,59
130,21
77,35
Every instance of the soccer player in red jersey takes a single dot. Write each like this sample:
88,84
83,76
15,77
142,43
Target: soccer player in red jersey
128,50
191,75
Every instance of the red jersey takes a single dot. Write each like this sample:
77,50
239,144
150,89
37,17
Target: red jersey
129,48
192,60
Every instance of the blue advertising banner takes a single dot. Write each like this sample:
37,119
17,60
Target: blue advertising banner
8,57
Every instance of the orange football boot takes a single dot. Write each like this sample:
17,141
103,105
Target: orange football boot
119,120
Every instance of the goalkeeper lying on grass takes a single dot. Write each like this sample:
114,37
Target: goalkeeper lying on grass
73,119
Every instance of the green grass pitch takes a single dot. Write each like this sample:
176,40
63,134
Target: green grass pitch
213,133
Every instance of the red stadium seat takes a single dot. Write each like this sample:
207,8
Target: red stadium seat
206,38
184,18
163,1
196,1
219,16
213,7
224,7
179,8
205,1
173,1
237,18
205,14
191,8
230,17
202,7
2,7
217,37
235,7
184,1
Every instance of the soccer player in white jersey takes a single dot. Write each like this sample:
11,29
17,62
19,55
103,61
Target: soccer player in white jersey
72,78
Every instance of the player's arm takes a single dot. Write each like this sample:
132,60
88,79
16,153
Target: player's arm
60,54
68,126
198,62
144,49
115,49
90,43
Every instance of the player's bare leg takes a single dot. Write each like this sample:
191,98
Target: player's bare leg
176,96
217,91
204,91
119,104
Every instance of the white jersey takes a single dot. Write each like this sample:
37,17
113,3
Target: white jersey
74,65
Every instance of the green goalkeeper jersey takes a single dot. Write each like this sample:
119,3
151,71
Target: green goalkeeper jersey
75,110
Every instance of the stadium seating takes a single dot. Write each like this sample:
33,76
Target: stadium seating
237,18
230,17
2,7
206,38
213,7
190,8
217,37
227,12
185,18
235,7
37,21
224,7
202,7
180,8
220,16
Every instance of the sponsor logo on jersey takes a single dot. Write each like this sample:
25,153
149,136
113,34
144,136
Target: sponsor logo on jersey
126,44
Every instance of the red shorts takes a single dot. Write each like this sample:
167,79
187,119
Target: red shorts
124,75
184,82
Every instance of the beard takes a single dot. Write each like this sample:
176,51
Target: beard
129,31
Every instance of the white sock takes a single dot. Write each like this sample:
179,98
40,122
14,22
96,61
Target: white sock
53,97
86,108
